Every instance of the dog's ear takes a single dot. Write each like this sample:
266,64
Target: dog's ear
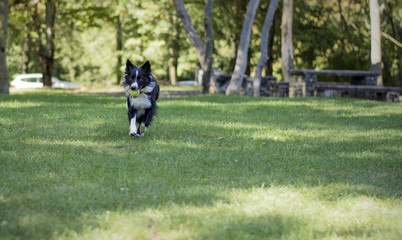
129,65
146,67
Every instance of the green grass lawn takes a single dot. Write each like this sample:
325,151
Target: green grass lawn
210,167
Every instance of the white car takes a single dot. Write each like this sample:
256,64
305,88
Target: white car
34,80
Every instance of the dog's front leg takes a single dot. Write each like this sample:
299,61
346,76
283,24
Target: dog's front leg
149,113
142,129
133,124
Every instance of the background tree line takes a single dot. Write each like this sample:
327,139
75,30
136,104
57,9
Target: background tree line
89,40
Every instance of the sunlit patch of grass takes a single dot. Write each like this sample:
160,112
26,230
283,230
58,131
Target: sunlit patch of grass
284,212
209,167
164,87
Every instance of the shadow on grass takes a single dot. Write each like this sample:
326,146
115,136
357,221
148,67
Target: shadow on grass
262,227
70,156
279,227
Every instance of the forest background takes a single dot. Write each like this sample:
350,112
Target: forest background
94,38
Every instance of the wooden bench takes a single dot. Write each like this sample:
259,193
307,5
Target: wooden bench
362,85
303,80
390,94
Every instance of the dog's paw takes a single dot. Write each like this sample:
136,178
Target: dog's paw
136,134
142,129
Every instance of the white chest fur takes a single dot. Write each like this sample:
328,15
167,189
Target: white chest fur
141,103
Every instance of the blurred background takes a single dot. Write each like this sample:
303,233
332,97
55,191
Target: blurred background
93,39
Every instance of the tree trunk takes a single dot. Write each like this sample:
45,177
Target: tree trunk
248,65
264,46
39,46
242,52
387,73
190,30
269,65
204,52
234,44
27,49
174,49
119,48
209,47
173,70
46,53
287,45
375,39
51,11
4,82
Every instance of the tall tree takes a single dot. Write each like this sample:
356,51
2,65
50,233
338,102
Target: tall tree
264,46
173,45
209,48
242,52
287,45
27,42
174,48
375,55
46,53
27,51
204,51
269,65
4,85
119,48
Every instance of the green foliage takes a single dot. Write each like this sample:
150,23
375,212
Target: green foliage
210,167
323,42
86,55
86,37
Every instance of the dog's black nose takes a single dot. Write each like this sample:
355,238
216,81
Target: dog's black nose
134,86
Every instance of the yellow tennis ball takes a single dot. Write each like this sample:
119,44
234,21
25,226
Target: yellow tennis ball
134,93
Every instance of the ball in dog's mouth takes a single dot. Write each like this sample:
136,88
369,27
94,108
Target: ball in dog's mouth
134,93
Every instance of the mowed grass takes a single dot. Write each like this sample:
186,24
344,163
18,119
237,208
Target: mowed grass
209,167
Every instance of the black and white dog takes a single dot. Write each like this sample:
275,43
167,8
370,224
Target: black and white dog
141,108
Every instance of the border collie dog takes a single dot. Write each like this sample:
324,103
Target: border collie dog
141,108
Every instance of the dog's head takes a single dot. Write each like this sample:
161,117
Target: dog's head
137,78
